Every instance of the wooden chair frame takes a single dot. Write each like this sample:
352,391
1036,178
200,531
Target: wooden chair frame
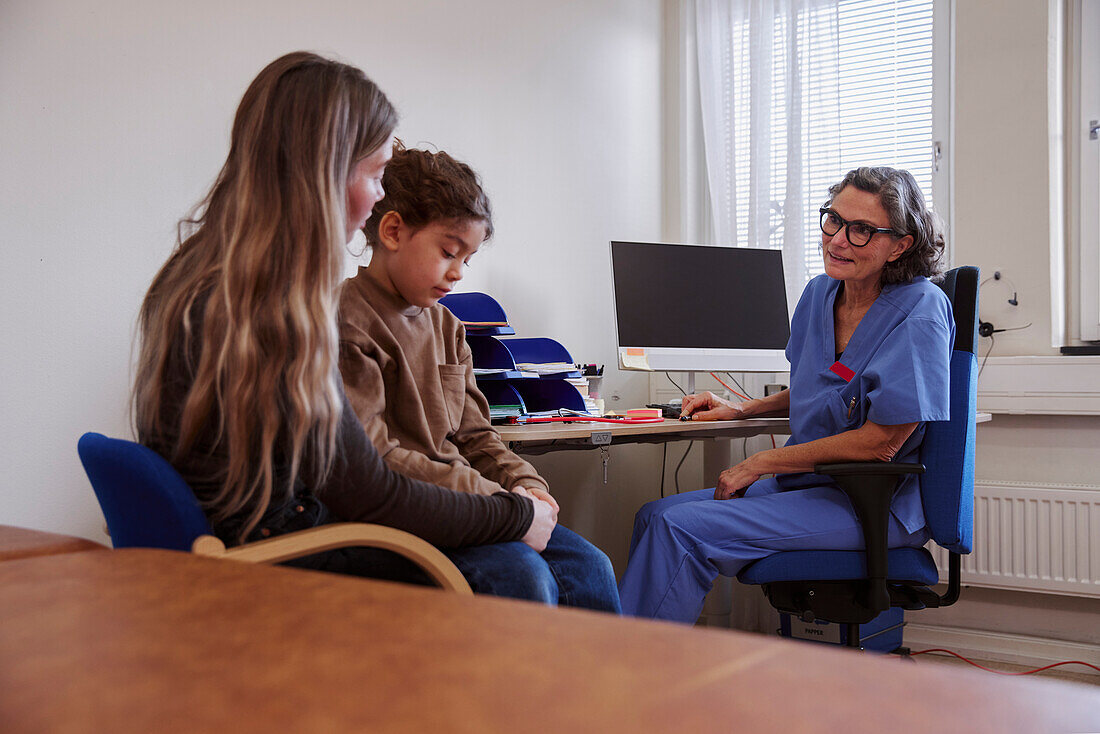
341,535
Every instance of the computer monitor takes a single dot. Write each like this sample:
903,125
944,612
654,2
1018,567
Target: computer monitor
694,308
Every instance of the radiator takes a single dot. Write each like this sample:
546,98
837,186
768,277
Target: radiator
1033,537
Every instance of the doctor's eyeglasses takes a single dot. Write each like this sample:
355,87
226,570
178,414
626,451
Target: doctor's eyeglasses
858,233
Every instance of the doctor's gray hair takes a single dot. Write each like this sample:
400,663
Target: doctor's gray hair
904,203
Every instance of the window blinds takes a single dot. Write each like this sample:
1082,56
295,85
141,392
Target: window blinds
877,80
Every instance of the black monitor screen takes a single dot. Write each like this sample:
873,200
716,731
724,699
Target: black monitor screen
696,297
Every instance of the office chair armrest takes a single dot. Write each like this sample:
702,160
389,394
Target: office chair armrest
341,535
870,488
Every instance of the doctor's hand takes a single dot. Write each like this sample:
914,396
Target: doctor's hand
707,406
734,481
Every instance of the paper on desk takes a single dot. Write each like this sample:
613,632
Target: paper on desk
546,368
634,358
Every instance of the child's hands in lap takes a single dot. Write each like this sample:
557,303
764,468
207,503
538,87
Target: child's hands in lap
540,493
544,521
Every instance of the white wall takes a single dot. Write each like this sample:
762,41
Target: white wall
116,118
1003,148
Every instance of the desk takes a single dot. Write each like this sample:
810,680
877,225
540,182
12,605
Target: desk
141,640
540,438
556,436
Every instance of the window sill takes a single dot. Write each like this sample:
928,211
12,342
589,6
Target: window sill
1040,385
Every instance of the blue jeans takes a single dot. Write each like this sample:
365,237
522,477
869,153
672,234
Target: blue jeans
570,572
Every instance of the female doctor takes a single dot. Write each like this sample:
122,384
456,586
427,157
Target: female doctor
869,350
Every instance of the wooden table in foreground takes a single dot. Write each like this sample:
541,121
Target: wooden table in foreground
148,640
16,542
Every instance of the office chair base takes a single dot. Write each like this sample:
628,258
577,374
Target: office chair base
881,635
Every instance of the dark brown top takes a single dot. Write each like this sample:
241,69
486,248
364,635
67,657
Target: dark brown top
359,487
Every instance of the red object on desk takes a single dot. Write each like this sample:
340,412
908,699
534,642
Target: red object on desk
580,419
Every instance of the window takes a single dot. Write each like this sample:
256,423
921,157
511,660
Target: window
876,92
1085,132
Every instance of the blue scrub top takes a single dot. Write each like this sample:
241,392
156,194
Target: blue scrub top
895,369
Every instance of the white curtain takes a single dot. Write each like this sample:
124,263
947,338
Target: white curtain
768,89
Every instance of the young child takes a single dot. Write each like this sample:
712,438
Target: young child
409,376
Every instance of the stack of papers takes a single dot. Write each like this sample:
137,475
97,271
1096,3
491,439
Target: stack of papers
499,412
546,368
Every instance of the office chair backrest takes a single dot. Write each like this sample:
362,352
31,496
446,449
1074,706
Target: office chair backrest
146,502
947,487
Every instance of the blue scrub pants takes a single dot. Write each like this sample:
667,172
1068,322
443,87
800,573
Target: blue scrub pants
683,542
570,572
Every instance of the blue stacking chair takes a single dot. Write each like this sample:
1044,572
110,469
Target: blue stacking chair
851,588
147,504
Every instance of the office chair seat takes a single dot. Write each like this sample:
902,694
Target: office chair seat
147,504
908,565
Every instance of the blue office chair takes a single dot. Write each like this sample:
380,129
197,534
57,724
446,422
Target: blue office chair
147,504
853,587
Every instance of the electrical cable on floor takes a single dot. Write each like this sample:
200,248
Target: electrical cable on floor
1004,672
676,474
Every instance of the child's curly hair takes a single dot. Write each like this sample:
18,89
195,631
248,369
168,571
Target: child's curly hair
425,187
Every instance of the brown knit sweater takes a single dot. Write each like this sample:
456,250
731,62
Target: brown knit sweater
409,376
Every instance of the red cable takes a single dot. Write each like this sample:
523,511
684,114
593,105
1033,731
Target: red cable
1002,672
581,419
746,397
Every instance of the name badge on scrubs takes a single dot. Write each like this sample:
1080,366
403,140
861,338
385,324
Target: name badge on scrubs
842,372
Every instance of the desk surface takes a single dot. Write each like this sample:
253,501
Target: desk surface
668,430
146,640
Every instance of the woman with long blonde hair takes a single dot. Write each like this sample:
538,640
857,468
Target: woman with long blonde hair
237,382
